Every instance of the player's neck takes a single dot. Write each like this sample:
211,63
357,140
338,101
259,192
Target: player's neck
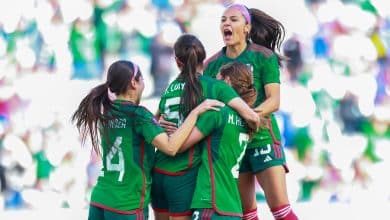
235,50
128,97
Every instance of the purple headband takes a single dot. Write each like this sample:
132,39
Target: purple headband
244,11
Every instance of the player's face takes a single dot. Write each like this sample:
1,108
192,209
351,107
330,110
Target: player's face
234,27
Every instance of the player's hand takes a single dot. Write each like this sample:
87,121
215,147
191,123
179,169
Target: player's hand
264,123
169,127
208,104
254,124
263,119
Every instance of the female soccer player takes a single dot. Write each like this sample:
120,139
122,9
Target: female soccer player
251,37
224,139
126,131
174,177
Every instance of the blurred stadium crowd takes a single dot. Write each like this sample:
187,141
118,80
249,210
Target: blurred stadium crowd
335,91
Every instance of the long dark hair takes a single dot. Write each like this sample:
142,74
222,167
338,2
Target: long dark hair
93,109
190,54
241,80
267,31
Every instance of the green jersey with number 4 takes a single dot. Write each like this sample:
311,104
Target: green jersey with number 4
264,65
223,149
169,105
124,182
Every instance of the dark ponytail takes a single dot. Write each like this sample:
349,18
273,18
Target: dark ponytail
91,115
190,53
267,31
241,80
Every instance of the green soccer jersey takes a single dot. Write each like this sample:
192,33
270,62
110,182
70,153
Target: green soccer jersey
264,66
124,182
223,148
169,105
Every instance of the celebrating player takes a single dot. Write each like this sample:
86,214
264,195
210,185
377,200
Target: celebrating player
174,177
251,37
126,132
224,139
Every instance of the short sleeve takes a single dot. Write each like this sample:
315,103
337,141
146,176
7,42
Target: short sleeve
209,69
223,92
208,121
270,72
147,125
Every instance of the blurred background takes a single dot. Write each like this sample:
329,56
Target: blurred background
335,95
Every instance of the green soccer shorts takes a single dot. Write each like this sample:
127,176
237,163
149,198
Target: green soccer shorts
260,158
97,213
173,194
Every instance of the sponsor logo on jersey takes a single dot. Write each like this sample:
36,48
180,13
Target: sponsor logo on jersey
267,158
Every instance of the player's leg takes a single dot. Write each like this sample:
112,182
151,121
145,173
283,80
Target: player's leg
270,168
246,186
206,214
161,214
183,217
273,182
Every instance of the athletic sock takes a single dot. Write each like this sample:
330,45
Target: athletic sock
250,215
283,212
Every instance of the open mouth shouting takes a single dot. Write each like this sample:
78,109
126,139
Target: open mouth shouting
227,34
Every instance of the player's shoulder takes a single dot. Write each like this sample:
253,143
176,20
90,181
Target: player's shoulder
227,113
259,49
174,82
213,58
216,83
229,110
226,109
211,116
133,112
208,79
223,111
143,112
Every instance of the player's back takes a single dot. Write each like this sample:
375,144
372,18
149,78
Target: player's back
223,148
